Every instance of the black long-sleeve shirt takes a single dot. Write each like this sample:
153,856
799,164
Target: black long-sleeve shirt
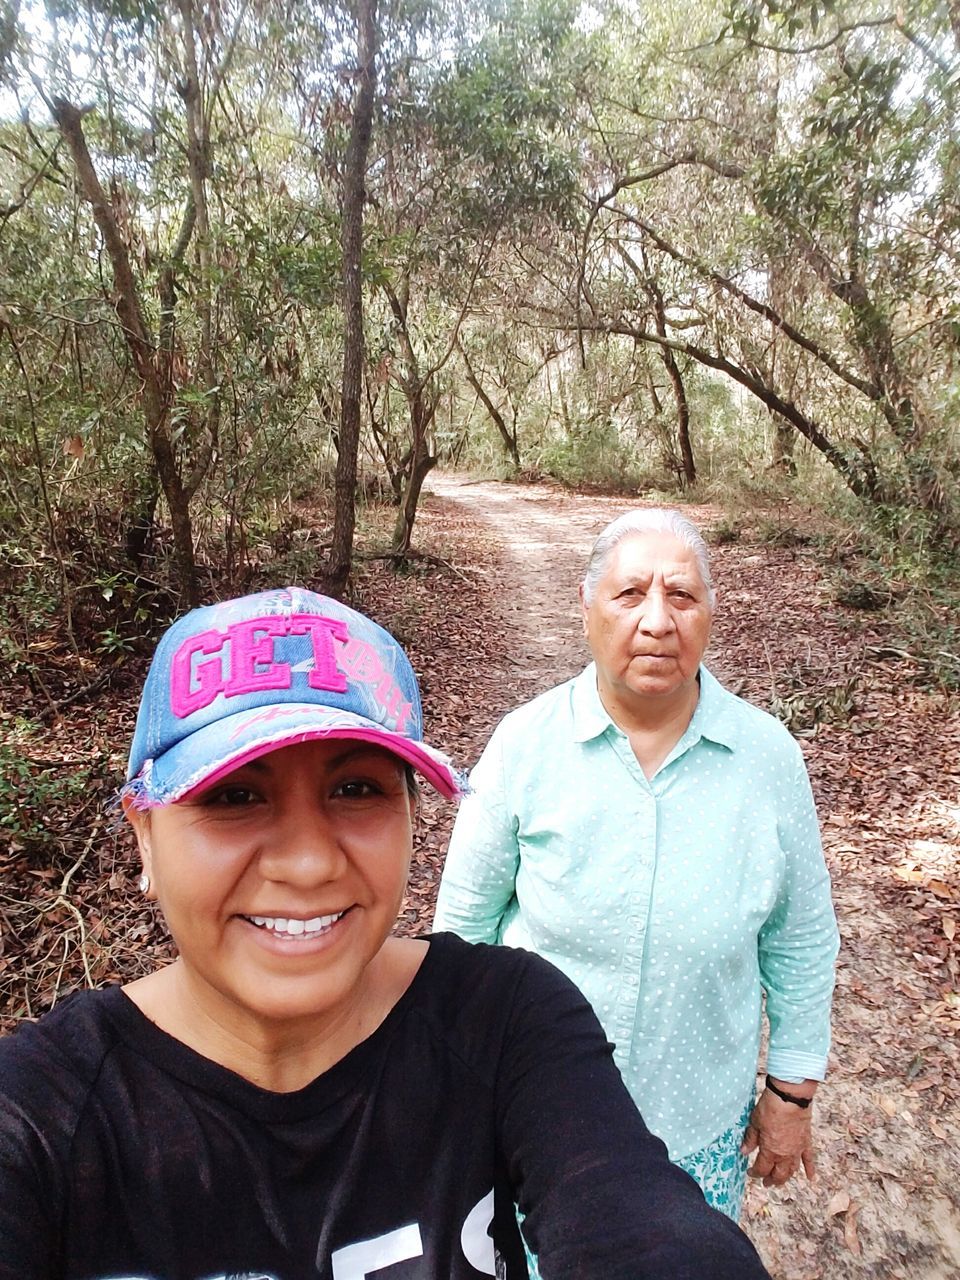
125,1155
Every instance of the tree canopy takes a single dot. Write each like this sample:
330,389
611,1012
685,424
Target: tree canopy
600,241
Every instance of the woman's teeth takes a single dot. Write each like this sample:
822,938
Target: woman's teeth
290,928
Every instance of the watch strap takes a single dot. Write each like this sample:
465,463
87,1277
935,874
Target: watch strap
788,1097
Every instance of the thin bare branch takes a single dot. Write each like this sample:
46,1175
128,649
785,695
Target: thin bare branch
863,385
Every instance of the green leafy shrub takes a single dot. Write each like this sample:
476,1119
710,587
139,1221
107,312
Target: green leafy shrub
32,789
595,455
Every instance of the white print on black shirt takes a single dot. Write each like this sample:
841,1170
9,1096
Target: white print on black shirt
360,1260
475,1237
356,1261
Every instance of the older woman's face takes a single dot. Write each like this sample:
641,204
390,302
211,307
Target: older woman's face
649,621
281,882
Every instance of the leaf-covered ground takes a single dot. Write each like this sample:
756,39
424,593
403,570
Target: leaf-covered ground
884,758
492,620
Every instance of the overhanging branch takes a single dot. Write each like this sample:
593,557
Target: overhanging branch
869,389
854,476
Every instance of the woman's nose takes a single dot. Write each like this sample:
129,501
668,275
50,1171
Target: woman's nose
302,848
655,617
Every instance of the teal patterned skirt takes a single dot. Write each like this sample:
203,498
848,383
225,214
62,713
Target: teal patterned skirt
720,1169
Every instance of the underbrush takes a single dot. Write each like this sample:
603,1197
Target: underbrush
597,459
903,564
70,912
891,563
36,785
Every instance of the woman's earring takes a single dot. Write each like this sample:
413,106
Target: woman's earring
143,884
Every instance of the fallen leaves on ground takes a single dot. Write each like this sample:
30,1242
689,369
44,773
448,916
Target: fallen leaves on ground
491,620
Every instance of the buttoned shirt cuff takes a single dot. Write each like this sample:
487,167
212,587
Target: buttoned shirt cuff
791,1065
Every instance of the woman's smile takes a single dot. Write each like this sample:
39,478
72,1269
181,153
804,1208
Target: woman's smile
281,882
297,935
293,927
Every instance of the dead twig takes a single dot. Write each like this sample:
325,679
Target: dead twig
62,900
421,557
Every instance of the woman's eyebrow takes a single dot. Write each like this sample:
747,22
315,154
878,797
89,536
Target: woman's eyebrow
260,764
680,574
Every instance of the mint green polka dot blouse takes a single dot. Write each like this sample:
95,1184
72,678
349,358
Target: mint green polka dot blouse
674,903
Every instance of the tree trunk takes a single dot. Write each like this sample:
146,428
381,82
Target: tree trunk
679,390
198,165
354,174
508,437
421,463
422,399
140,344
784,362
688,474
180,523
140,518
683,426
782,457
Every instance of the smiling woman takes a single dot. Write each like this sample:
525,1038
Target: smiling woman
279,884
301,1094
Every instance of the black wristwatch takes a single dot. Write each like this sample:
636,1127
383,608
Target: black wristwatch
788,1097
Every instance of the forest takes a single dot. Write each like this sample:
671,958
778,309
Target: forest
284,282
255,251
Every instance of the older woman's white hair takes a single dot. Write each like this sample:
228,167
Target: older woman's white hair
646,520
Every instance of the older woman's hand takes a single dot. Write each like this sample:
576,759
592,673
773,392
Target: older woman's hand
780,1134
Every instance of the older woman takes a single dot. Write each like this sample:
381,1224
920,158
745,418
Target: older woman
655,837
300,1094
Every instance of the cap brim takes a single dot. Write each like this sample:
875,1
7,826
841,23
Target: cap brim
200,760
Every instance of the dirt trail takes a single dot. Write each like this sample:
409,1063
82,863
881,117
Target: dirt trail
492,619
543,536
888,1132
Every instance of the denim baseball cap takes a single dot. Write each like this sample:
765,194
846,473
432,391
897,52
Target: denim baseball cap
232,681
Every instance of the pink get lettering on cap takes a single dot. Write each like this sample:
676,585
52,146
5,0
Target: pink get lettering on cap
235,680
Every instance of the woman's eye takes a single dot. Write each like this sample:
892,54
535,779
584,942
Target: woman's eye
232,796
356,789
